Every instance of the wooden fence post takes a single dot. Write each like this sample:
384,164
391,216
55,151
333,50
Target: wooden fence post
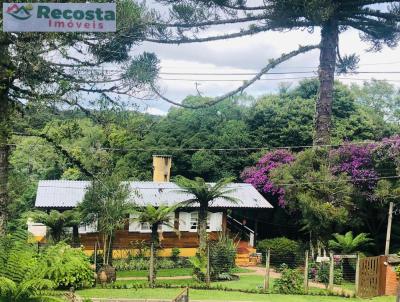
266,277
306,272
331,271
357,274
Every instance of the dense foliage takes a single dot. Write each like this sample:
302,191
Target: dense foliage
27,274
282,250
290,282
351,187
66,267
222,256
126,141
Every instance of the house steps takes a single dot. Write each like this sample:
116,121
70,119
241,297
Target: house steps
244,254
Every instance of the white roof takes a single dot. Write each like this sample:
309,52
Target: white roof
67,194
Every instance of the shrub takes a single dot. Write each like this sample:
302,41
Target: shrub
320,272
282,267
291,282
66,266
19,279
175,254
199,264
282,250
141,264
222,256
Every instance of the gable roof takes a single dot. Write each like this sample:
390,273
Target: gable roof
67,194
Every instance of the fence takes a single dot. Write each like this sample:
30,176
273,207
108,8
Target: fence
183,296
369,277
337,273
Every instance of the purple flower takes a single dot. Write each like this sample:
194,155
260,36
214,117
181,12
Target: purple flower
259,175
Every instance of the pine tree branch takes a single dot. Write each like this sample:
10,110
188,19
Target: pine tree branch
212,22
242,33
271,65
378,14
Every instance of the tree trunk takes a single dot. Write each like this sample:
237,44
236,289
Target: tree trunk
75,236
153,254
203,228
105,252
5,82
326,74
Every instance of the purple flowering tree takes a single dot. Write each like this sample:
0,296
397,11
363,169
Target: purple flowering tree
357,162
259,175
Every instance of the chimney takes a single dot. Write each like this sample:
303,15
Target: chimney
162,168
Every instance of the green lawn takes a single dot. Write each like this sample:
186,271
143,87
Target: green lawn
161,293
160,273
246,282
171,272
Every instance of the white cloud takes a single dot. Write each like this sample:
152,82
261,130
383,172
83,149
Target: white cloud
155,111
250,54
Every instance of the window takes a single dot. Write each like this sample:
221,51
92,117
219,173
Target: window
145,227
194,221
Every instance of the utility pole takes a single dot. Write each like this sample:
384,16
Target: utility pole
389,229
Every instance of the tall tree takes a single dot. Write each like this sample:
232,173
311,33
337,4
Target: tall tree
55,70
381,96
156,217
377,24
106,204
204,194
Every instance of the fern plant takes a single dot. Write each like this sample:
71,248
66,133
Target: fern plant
19,281
65,266
347,243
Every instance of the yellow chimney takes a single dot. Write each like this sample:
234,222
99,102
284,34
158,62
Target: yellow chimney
162,168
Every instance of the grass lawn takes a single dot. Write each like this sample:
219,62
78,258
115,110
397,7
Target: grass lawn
348,285
161,293
171,272
246,282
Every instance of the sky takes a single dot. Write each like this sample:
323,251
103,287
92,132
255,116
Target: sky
249,55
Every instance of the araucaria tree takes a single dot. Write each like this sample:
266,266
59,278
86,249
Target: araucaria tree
377,24
204,194
107,204
65,70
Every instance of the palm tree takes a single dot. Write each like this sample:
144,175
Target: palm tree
347,244
155,217
57,222
204,194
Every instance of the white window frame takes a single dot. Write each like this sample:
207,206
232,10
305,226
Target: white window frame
197,222
89,228
145,227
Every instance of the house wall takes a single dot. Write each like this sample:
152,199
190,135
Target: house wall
124,242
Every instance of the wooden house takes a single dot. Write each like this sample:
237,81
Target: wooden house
63,195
